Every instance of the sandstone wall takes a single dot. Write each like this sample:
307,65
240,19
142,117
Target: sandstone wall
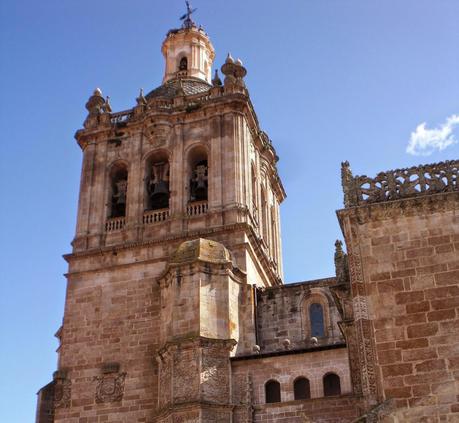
250,376
282,313
404,262
285,369
111,316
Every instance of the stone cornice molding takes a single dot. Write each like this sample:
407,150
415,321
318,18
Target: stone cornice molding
405,207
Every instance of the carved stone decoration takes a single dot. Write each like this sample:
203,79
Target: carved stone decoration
341,264
367,356
110,387
62,390
399,183
159,133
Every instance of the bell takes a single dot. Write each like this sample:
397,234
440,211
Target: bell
161,188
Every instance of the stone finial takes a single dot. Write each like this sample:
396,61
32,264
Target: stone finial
314,341
347,182
141,100
95,104
256,349
286,343
341,264
234,72
338,248
107,106
216,82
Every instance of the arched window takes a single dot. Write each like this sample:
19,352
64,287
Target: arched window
272,391
332,385
199,175
118,187
301,388
254,194
264,215
183,64
157,182
316,319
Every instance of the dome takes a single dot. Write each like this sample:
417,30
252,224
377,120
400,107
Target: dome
201,249
173,88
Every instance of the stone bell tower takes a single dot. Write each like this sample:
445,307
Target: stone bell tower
178,222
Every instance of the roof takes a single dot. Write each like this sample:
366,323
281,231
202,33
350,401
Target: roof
172,88
201,249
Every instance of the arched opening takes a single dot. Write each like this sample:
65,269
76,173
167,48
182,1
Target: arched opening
301,388
254,193
332,385
118,190
272,391
199,173
264,214
316,319
157,181
183,64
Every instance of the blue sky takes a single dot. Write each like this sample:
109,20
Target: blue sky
331,80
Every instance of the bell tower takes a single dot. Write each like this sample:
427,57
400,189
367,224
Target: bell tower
178,222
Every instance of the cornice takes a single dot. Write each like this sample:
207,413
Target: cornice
406,207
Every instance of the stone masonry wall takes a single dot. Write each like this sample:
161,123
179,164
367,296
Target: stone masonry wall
111,316
407,254
285,369
252,374
282,313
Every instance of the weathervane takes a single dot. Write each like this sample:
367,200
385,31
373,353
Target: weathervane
186,18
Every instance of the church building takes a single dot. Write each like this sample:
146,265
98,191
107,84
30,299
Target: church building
176,310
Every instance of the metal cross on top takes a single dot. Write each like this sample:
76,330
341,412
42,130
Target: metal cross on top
186,18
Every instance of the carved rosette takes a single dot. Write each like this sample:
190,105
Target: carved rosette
62,390
110,387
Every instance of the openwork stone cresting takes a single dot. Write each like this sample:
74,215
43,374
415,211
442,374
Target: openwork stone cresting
399,183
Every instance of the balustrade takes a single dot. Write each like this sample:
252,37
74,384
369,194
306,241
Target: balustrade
155,216
197,208
120,117
115,224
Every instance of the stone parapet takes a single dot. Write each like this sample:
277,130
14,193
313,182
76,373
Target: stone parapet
399,183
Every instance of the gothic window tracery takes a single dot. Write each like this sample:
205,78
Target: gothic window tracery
272,391
316,319
118,186
332,385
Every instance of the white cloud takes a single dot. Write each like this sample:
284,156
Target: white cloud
425,141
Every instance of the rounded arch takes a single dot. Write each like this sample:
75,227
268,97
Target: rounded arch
331,384
198,172
264,213
118,172
182,63
272,391
301,388
254,186
156,179
316,296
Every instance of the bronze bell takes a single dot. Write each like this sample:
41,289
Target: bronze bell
161,188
